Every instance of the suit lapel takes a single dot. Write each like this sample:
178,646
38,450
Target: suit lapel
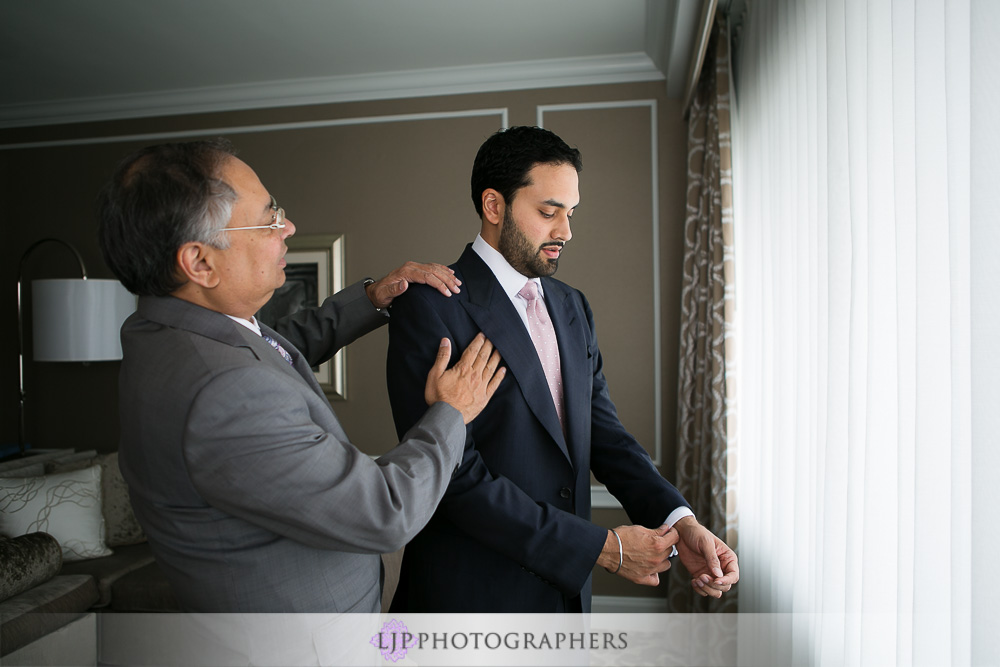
574,360
494,314
300,367
181,314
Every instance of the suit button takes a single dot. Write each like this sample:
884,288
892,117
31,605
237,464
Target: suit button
565,492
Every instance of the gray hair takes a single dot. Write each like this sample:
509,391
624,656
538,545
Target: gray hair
209,226
158,199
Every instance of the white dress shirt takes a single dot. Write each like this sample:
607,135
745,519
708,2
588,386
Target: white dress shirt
510,279
250,324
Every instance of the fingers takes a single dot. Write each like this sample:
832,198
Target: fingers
648,580
487,362
670,536
472,352
651,579
445,281
711,558
730,564
705,587
437,276
496,376
468,385
732,569
481,357
443,355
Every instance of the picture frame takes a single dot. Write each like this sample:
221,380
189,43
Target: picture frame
314,270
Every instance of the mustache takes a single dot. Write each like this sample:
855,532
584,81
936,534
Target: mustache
556,244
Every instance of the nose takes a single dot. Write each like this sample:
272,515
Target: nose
562,231
289,229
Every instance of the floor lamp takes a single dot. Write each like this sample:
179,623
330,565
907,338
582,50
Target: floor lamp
72,320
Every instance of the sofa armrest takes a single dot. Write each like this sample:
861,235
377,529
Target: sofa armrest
46,607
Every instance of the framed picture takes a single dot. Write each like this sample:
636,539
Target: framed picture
314,271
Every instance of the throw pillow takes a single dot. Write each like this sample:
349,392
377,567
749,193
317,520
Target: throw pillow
25,471
26,561
120,525
65,505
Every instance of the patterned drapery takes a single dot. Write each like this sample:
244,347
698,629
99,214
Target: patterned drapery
706,448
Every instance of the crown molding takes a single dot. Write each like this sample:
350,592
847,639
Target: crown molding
525,75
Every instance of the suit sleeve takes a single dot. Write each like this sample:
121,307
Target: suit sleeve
559,547
616,458
341,319
254,452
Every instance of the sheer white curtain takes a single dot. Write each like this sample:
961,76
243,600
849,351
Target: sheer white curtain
868,465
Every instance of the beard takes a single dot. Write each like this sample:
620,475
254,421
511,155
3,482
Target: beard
520,254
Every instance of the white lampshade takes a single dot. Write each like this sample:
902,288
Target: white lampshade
79,320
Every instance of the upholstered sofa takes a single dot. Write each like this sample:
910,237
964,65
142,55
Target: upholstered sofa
71,550
70,547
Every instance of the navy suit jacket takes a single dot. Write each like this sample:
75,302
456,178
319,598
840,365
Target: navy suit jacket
513,532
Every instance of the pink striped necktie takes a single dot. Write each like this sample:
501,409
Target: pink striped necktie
544,338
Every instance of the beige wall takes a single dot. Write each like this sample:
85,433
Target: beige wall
392,176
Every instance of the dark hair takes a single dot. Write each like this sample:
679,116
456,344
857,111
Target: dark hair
158,199
504,160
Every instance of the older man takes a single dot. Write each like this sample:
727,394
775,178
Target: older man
250,492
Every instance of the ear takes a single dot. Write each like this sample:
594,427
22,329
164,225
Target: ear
493,206
196,262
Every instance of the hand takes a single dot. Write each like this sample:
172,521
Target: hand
382,292
644,553
710,562
468,385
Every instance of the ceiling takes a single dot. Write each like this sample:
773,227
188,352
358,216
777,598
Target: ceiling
70,60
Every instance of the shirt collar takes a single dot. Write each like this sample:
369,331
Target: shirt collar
510,279
250,324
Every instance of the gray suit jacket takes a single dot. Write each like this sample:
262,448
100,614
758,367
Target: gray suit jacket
251,495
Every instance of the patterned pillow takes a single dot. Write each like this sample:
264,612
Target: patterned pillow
65,505
120,525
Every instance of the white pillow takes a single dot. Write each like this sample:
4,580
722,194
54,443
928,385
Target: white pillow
66,505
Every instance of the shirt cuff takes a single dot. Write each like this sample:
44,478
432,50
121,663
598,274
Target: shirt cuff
673,518
678,514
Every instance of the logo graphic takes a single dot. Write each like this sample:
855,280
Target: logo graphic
393,640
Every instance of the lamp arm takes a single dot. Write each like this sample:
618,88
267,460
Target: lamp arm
20,328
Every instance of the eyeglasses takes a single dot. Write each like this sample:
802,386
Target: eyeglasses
277,219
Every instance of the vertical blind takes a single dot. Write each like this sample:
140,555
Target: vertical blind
853,145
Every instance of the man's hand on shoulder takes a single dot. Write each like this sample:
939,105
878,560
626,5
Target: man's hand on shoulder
382,292
468,385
